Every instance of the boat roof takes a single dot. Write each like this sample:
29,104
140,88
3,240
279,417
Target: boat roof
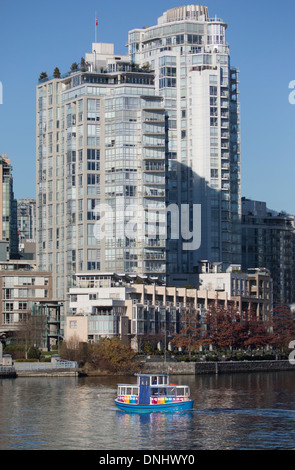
141,375
152,375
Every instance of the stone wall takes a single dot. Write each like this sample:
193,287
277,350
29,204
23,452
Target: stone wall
197,368
177,368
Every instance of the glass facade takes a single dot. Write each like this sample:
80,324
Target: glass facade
101,172
8,209
190,58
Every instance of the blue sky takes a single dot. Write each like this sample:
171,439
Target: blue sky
38,36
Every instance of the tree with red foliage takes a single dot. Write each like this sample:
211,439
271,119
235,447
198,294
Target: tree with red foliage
283,326
258,331
224,327
190,333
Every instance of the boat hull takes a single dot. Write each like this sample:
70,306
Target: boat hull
133,408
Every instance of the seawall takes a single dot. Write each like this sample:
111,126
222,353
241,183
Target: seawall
47,373
7,372
198,368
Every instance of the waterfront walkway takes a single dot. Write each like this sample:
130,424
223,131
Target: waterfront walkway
70,368
22,369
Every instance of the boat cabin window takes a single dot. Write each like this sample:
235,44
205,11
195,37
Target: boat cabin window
159,380
182,391
159,392
171,391
128,391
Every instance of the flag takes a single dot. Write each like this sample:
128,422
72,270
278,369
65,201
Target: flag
96,22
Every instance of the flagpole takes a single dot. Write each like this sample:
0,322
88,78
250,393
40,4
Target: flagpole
95,27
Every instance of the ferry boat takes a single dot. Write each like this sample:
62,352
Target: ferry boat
153,392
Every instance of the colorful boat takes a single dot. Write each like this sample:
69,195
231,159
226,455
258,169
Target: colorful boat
153,393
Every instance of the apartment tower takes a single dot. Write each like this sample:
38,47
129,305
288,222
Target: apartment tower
8,208
123,141
101,147
268,241
189,55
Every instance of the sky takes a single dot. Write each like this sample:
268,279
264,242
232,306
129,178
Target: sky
38,36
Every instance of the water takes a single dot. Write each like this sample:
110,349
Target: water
231,412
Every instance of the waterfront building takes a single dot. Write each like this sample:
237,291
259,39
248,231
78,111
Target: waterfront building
149,134
136,307
101,142
8,207
20,287
188,52
46,318
268,240
249,290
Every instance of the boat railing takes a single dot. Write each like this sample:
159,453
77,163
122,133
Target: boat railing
158,393
128,390
172,390
169,394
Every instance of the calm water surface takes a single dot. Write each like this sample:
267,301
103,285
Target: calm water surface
235,412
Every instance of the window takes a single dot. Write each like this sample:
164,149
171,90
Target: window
92,214
213,79
73,324
93,110
213,90
93,184
22,305
93,134
130,191
93,257
194,39
92,234
213,111
213,121
167,82
93,160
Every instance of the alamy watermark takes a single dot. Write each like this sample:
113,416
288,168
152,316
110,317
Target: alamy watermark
292,353
135,221
292,93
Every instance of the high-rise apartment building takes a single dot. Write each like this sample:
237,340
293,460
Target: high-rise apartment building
8,207
189,55
26,227
26,218
124,140
101,147
268,241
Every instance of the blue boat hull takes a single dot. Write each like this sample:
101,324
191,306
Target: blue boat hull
132,408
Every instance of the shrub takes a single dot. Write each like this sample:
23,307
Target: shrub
113,356
16,351
34,353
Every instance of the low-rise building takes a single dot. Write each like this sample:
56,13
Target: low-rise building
107,305
247,290
20,287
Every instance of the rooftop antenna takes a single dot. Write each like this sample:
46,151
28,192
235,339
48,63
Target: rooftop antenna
96,24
